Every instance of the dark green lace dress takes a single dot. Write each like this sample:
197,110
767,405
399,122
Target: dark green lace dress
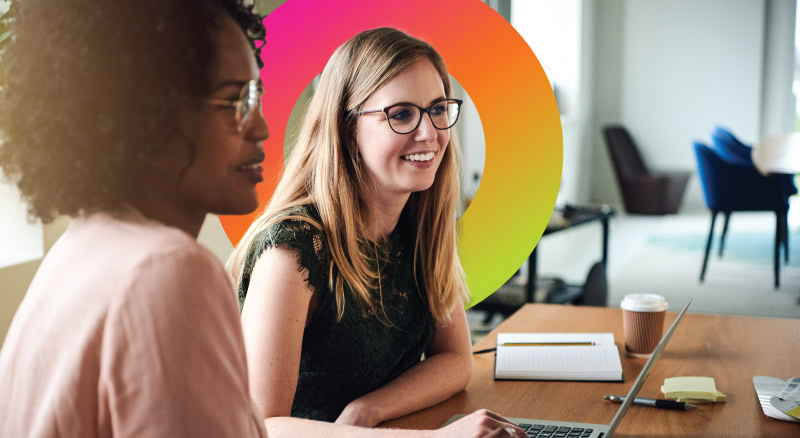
341,361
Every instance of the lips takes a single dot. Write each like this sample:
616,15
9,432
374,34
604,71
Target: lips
421,156
252,169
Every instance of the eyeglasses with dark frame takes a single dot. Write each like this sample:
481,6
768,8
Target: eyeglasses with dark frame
248,101
405,117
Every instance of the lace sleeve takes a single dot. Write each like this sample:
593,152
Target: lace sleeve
305,239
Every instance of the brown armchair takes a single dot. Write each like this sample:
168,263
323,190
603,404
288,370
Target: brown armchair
643,192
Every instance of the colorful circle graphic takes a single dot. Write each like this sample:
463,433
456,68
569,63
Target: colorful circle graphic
521,123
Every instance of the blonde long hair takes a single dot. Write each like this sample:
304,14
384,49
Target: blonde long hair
325,170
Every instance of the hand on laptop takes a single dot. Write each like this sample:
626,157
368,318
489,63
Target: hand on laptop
483,424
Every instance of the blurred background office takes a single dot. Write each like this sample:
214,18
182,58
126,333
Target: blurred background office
666,72
638,82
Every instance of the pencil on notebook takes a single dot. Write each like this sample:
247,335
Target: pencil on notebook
534,344
543,344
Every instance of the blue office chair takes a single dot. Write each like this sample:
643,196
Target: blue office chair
730,148
729,187
733,151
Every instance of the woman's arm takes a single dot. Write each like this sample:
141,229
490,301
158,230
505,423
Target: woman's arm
273,320
444,372
479,424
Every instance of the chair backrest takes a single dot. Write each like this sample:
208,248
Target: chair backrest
730,148
706,161
595,290
624,153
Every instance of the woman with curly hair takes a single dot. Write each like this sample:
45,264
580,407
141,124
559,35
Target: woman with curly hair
138,119
141,118
352,271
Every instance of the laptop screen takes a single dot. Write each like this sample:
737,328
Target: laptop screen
645,372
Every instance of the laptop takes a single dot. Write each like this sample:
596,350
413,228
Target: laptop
553,429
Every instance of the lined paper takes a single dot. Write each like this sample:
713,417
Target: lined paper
597,362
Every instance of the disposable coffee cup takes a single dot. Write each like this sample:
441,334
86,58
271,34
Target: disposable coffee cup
643,322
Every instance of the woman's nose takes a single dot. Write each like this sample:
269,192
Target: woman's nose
425,132
256,128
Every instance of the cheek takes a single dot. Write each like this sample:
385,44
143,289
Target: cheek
443,144
376,147
444,138
214,155
207,157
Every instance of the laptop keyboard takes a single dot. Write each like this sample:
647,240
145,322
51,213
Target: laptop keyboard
542,431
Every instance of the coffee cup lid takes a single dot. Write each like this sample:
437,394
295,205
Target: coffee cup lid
644,303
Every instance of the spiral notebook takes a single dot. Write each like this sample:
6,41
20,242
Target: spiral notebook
557,356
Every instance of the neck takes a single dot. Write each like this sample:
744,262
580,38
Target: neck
169,212
385,211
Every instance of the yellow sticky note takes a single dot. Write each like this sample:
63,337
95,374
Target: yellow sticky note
694,388
720,397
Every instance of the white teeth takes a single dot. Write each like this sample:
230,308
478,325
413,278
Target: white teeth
253,166
419,157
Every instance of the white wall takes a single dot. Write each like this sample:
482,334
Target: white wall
20,240
669,71
778,102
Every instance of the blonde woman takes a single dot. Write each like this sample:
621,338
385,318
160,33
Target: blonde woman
352,271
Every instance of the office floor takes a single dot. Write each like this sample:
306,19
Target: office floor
663,254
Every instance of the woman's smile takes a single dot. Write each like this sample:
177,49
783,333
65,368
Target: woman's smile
422,160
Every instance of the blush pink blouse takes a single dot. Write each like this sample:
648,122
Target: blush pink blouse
129,329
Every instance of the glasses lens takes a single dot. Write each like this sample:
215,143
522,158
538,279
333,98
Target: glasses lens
444,114
247,101
403,118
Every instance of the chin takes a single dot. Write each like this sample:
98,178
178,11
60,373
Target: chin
237,208
422,188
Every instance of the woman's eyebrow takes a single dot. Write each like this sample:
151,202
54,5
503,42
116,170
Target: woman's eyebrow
436,100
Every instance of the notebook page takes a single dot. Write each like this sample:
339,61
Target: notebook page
558,363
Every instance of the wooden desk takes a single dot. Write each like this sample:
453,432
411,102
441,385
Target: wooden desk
730,349
778,154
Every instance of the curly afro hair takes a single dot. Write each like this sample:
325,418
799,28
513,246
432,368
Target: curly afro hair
92,89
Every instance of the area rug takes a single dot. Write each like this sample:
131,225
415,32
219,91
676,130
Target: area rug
738,283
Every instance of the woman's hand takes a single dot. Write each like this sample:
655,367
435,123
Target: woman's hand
358,413
479,424
483,424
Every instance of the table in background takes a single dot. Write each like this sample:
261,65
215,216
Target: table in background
730,349
778,154
565,218
507,301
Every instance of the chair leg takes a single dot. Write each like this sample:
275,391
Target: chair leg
708,245
778,239
786,237
724,232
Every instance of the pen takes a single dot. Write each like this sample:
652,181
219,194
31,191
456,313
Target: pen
533,344
662,404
